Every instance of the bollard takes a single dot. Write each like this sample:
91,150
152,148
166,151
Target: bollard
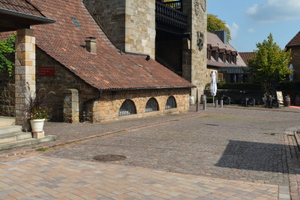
253,102
221,103
197,106
204,105
216,103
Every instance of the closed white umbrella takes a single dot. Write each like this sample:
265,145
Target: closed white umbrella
213,85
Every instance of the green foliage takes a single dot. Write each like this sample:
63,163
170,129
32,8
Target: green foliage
37,113
7,48
270,63
215,24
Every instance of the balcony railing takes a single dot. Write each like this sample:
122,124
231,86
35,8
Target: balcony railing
174,4
170,15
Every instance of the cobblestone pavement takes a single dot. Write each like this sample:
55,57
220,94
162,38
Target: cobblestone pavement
229,143
224,151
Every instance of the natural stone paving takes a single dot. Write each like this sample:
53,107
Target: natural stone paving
219,154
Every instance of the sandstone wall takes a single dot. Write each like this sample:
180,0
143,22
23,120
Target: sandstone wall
107,108
197,24
110,14
140,27
130,24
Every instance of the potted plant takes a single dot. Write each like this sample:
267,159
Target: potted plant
37,112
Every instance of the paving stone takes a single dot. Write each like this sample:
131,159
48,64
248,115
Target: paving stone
218,153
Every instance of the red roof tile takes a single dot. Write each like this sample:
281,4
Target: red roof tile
21,6
214,41
246,55
295,41
109,69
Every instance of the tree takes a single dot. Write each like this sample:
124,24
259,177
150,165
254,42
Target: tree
215,24
270,63
7,48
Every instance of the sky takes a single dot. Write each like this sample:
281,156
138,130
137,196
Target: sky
252,21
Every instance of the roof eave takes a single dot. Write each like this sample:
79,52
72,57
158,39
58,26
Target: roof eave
35,20
148,88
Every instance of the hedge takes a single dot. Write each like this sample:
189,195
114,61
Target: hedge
238,86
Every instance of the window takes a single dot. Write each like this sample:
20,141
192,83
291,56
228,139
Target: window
214,55
233,60
220,77
171,103
151,105
228,58
221,56
127,108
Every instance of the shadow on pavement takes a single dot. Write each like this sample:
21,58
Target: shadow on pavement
254,156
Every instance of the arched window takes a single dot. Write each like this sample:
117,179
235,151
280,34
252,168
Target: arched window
127,108
151,105
171,103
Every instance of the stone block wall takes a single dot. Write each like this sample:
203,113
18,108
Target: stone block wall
197,23
60,83
296,62
130,24
107,108
110,14
71,106
25,52
140,27
7,93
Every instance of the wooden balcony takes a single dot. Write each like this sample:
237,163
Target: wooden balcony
169,17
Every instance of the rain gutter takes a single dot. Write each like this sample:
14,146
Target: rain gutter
44,20
149,88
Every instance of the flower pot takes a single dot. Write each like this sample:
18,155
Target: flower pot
287,101
37,125
297,101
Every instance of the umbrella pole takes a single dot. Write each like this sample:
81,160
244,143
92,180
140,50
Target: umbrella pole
213,100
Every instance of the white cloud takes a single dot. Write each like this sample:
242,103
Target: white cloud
274,10
233,30
251,30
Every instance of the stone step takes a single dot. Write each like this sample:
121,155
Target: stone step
10,129
12,137
7,121
27,142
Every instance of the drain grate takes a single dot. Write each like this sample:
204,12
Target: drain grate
104,158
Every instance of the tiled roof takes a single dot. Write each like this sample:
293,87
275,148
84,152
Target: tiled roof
246,55
21,6
109,69
295,41
214,41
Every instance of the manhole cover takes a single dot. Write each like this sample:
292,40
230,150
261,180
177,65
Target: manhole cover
104,158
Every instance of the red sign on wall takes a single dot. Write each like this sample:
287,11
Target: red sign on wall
46,71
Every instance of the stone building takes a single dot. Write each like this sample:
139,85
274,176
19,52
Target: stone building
92,78
173,33
224,59
294,44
